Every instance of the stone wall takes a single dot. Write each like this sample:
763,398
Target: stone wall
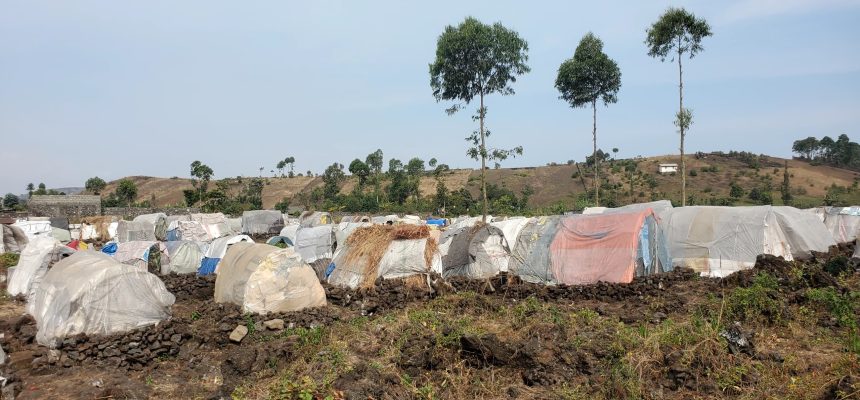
131,212
64,206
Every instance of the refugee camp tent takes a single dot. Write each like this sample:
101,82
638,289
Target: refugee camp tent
290,230
530,256
354,218
12,239
283,240
717,241
411,220
611,247
315,243
97,228
262,222
344,229
216,251
264,279
39,255
131,231
91,293
842,222
61,234
235,225
187,231
34,229
310,219
475,252
384,251
657,206
384,219
184,257
215,224
804,232
464,221
511,229
141,254
158,222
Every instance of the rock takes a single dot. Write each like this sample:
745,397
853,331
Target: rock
20,359
738,341
239,333
9,391
225,327
274,324
54,356
659,316
176,338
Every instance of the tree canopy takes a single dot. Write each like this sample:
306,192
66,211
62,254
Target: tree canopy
127,191
589,76
95,185
677,31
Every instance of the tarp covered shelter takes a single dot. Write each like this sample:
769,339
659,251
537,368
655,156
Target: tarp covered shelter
91,293
140,253
384,219
102,228
34,229
275,240
657,206
611,247
131,231
290,230
187,231
12,239
344,229
842,222
315,243
39,255
310,219
717,241
530,256
61,235
804,232
389,252
476,252
216,251
184,257
262,222
158,221
215,224
264,279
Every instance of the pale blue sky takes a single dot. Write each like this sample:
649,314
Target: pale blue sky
113,88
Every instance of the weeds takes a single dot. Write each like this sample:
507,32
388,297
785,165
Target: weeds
758,302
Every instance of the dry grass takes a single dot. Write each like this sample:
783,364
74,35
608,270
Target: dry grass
367,245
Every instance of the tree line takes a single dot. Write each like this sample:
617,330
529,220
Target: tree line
842,152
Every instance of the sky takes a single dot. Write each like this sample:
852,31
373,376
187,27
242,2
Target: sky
112,89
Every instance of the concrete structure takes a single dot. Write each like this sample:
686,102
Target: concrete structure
64,206
667,168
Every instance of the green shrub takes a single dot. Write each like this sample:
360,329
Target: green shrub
758,302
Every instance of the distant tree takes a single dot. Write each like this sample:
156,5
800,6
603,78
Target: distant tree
30,189
805,147
394,166
360,170
204,173
309,173
10,201
678,32
432,163
126,191
283,205
280,167
41,191
261,171
291,161
95,185
735,190
332,177
590,76
785,189
374,162
472,61
415,168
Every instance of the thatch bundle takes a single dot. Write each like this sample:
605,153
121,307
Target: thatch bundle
100,224
368,245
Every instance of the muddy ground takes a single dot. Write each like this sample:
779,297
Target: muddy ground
782,330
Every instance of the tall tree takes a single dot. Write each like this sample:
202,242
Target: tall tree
590,76
332,177
805,147
472,61
126,190
95,185
292,162
374,161
204,173
361,171
415,168
785,189
10,200
280,167
30,189
678,32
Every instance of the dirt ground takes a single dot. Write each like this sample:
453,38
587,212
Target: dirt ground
785,330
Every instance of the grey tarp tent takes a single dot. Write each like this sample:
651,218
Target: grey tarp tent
262,222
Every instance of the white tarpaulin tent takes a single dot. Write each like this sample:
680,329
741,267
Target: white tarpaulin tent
185,257
717,241
130,231
158,222
34,229
138,253
804,231
35,260
474,252
310,219
263,279
344,229
91,293
262,222
315,243
290,230
842,222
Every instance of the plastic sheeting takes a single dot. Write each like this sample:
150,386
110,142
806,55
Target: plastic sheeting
657,207
805,232
158,221
12,239
262,222
842,222
188,231
35,260
185,257
474,252
344,229
216,251
274,240
34,229
311,219
131,231
290,231
264,279
611,247
137,253
215,225
403,258
511,229
61,235
93,294
530,256
315,243
717,241
384,219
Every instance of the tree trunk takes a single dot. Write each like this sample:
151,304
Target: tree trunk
594,154
682,126
483,165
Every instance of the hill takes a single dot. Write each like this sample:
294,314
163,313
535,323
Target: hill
710,177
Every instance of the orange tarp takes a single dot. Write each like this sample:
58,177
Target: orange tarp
601,247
